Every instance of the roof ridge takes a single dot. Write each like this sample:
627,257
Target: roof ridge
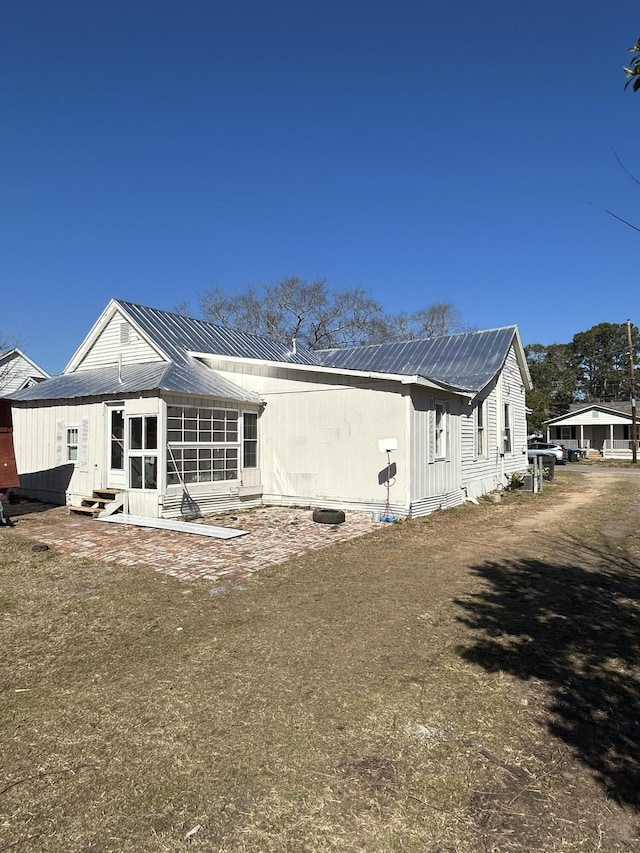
202,322
420,340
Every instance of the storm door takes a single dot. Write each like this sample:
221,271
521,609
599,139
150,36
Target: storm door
115,448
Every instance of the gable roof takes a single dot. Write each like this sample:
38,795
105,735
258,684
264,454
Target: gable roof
467,361
175,336
619,407
463,363
17,371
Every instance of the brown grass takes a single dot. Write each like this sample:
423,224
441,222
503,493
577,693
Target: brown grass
465,682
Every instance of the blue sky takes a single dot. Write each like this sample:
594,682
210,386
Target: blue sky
424,151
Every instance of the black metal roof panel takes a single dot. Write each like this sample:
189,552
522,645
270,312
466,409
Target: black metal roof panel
467,361
188,377
176,335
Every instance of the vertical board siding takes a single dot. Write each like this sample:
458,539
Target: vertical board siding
319,436
40,441
432,477
111,344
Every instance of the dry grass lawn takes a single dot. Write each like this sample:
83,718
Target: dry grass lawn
465,682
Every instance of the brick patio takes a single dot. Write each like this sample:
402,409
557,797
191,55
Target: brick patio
276,534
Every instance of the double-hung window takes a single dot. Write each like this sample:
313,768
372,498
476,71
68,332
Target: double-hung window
506,435
480,429
143,452
72,438
249,440
440,430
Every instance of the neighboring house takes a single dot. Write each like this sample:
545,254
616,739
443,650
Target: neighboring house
178,412
17,371
602,429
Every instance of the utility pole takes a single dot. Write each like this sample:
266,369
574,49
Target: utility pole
632,385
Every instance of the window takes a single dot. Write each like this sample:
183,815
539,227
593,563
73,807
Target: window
204,444
72,444
480,433
143,452
507,429
250,440
440,432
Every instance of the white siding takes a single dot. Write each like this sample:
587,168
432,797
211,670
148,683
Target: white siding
118,338
432,477
486,473
16,371
40,442
319,437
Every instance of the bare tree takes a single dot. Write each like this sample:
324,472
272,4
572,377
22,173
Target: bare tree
320,317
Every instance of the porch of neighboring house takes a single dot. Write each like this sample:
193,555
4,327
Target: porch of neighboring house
607,441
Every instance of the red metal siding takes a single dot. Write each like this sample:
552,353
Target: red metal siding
8,470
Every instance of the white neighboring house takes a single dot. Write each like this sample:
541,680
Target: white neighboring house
17,371
598,429
174,412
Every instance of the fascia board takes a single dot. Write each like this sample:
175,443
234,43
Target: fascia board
522,361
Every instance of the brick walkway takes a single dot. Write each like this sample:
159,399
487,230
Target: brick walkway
276,534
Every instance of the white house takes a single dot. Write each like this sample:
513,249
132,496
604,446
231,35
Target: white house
600,429
174,412
18,371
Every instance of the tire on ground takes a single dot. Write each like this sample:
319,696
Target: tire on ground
328,516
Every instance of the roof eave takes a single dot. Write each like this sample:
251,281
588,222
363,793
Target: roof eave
413,379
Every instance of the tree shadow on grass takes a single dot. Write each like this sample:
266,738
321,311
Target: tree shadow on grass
574,624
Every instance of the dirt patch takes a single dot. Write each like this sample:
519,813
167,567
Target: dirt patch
467,682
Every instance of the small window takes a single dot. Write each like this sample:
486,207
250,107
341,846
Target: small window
440,436
480,433
507,428
250,440
72,444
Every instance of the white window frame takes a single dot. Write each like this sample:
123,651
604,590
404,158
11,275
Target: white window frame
69,445
200,453
507,431
481,428
440,429
251,441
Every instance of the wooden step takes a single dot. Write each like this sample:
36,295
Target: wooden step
106,494
93,511
101,500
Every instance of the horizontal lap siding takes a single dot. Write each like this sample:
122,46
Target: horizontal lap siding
483,474
108,347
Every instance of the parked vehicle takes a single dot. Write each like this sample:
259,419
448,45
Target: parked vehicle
545,448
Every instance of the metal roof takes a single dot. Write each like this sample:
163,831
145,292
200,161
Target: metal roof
176,336
188,377
467,361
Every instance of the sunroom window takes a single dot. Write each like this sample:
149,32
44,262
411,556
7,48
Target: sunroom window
204,445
